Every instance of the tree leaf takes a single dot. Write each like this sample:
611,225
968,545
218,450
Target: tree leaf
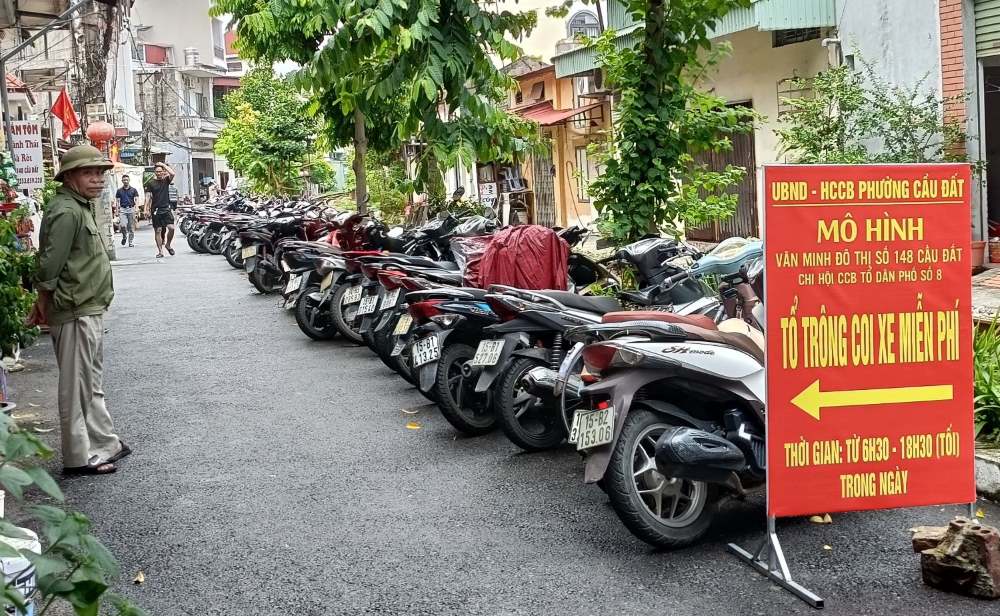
45,482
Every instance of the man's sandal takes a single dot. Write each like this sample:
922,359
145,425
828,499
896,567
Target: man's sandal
124,451
100,468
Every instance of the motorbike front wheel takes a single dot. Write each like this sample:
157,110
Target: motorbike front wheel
530,422
194,242
313,322
467,411
665,512
185,225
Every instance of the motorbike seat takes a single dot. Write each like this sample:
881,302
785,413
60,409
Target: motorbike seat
587,303
423,261
698,320
741,342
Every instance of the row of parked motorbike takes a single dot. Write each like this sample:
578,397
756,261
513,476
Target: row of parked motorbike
660,387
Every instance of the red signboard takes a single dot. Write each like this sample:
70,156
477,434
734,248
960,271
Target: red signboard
869,329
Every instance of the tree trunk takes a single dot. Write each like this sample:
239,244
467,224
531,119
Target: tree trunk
360,150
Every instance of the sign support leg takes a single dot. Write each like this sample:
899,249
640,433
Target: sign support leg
769,560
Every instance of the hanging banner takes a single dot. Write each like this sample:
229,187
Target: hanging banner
869,328
28,162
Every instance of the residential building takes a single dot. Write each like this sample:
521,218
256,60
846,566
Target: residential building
776,41
181,69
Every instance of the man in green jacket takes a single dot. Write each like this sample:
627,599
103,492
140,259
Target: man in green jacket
74,290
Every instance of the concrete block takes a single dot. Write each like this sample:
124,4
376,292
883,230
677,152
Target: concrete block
966,561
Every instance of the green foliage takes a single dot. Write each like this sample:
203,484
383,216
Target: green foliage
652,176
267,135
986,353
73,567
858,117
421,70
388,186
15,267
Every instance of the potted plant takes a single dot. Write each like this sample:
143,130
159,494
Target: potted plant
16,266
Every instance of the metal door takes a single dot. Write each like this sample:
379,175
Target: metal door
544,186
743,222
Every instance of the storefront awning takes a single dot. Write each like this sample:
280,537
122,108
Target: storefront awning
226,82
544,114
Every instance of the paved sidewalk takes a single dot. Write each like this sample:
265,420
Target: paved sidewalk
986,295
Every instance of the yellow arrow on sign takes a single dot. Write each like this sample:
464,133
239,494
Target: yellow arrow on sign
811,400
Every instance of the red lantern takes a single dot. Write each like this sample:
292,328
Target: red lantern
100,133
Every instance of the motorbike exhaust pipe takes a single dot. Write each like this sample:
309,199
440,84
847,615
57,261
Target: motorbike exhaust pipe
541,382
687,453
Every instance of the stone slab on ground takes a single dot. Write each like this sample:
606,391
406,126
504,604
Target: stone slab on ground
988,473
986,295
966,560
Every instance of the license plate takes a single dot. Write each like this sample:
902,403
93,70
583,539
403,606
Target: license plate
488,353
249,251
397,349
425,351
368,304
390,299
592,428
353,295
403,325
293,284
327,281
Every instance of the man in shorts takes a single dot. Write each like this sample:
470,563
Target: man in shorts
158,204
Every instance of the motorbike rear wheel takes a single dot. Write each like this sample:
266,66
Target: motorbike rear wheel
467,411
343,316
313,323
193,243
665,512
263,282
530,422
234,255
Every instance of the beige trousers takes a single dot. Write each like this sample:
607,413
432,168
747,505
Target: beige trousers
88,435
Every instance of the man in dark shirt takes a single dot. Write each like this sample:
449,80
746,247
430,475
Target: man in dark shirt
125,200
158,204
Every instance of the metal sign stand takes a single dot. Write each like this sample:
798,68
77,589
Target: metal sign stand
769,561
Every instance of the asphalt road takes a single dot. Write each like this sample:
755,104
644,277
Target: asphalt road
275,475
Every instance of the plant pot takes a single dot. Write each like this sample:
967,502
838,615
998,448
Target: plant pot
978,253
994,251
7,407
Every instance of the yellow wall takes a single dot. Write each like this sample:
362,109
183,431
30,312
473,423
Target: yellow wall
752,72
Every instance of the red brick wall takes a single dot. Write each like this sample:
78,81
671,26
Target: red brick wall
952,59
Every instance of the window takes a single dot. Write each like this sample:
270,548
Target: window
518,98
583,23
586,172
234,66
790,37
218,40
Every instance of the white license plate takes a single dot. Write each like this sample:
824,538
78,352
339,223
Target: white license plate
390,299
488,353
368,304
353,295
327,281
592,428
293,284
398,348
425,351
249,251
403,325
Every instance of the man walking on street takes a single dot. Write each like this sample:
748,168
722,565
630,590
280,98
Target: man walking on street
125,205
74,290
158,203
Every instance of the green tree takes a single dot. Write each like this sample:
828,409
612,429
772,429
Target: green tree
856,117
268,134
391,71
652,177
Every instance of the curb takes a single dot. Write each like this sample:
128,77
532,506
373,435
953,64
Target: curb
988,473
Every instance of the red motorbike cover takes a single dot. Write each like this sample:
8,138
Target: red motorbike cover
526,257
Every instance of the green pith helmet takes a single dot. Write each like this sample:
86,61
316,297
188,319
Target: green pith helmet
81,157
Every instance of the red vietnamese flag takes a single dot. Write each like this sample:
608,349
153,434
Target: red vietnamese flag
63,109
